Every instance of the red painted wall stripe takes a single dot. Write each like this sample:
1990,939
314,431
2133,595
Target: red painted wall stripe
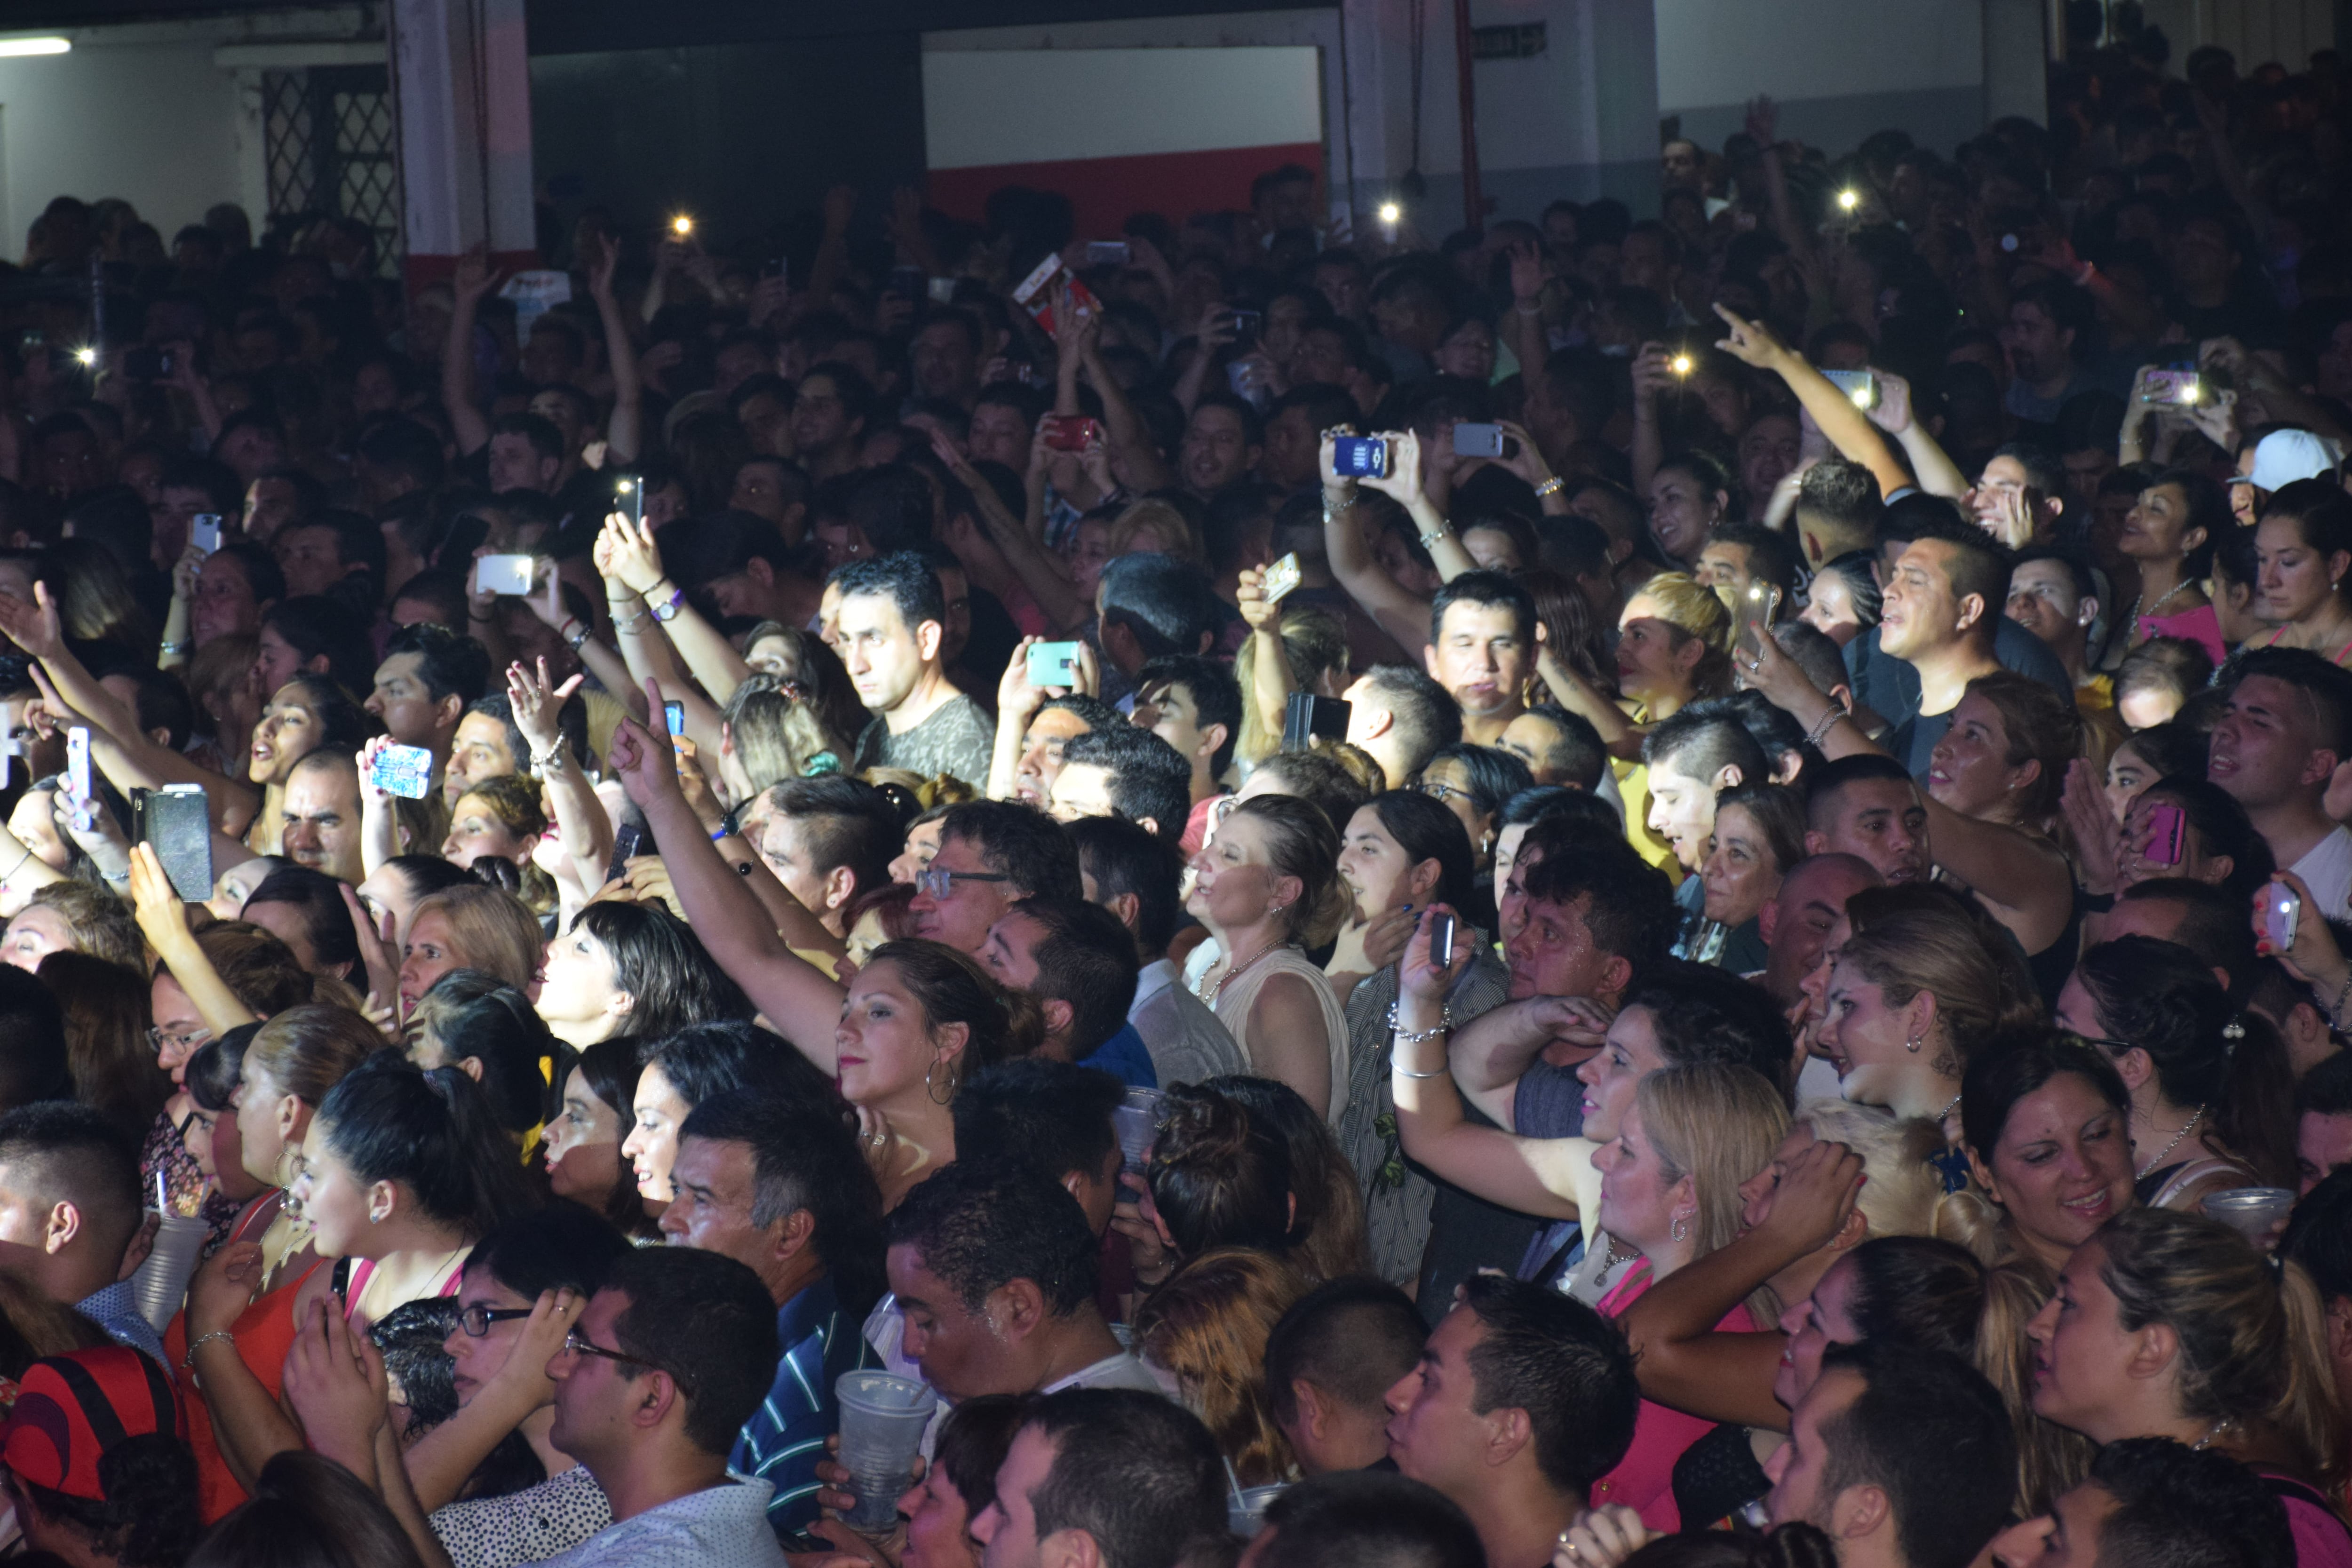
1106,191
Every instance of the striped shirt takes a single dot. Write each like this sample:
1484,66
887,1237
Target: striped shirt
785,1436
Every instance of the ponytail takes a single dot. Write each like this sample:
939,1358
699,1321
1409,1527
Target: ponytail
433,1133
2308,1410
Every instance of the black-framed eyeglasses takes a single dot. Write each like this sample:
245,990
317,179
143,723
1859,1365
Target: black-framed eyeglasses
939,883
579,1343
476,1320
1441,791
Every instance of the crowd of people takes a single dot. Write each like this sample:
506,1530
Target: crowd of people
1666,890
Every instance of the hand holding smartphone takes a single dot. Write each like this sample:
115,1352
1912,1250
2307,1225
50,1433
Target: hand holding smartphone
507,576
402,771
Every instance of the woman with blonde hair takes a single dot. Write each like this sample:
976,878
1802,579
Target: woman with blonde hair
1207,1328
1269,876
1673,1189
1910,995
472,926
1154,527
73,917
1674,642
2241,1363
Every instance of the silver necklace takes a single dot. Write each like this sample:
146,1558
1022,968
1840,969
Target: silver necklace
2167,598
2194,1117
1209,994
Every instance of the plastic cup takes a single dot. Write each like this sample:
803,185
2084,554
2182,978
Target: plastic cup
1138,1119
882,1422
1245,1510
160,1285
2250,1211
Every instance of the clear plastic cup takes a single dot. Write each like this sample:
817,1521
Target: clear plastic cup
1138,1119
160,1285
1245,1510
2250,1211
882,1422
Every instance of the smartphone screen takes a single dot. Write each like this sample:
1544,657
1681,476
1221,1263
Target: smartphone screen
204,531
77,762
507,574
2166,834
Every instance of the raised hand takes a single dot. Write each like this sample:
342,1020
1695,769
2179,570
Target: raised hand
1750,342
635,558
475,277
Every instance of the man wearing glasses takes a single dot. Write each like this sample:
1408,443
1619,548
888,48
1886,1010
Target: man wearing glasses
992,853
652,1389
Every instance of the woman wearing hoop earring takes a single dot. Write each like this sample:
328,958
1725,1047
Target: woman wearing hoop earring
920,1018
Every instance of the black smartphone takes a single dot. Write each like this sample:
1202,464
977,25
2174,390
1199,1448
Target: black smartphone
177,821
628,842
1306,716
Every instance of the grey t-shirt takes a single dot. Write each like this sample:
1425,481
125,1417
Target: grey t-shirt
956,740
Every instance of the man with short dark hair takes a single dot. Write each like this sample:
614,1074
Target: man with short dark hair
322,807
1105,1477
1055,1116
892,630
1400,716
738,564
1329,1359
1079,962
1559,747
1193,704
2287,725
830,411
1137,877
1356,1519
1152,607
1123,770
526,453
992,853
830,840
1739,556
1482,646
1693,756
1943,600
1867,805
2048,321
1523,1400
2052,595
2155,1501
1033,736
428,677
486,745
1837,510
653,1387
992,1271
1906,1457
782,1188
943,362
69,1208
1223,442
1796,922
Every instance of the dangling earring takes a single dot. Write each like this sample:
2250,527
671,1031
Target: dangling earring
1680,1229
932,1089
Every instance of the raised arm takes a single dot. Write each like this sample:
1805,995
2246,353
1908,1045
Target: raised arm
624,430
1040,570
1535,1176
473,280
164,921
1402,615
1489,1054
710,658
1271,682
803,1004
1848,428
581,820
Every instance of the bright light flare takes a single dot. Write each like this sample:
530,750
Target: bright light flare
86,356
1849,199
13,48
1391,214
1681,364
681,225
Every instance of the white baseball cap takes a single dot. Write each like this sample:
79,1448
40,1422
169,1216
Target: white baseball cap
2284,456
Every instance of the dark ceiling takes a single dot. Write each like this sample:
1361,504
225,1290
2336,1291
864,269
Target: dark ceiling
573,27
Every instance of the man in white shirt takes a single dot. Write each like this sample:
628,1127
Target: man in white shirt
2288,724
652,1388
1136,875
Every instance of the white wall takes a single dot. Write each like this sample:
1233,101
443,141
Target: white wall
146,112
1130,101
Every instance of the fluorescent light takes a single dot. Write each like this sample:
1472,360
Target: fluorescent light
10,48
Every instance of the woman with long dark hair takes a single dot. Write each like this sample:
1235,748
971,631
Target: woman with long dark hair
633,969
1402,852
583,1138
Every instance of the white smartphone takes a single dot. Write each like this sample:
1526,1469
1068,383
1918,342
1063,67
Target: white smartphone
77,762
204,531
507,574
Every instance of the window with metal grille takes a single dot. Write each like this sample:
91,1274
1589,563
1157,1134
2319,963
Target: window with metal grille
332,151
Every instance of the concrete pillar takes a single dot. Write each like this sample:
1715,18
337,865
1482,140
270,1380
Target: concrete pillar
1578,120
461,79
